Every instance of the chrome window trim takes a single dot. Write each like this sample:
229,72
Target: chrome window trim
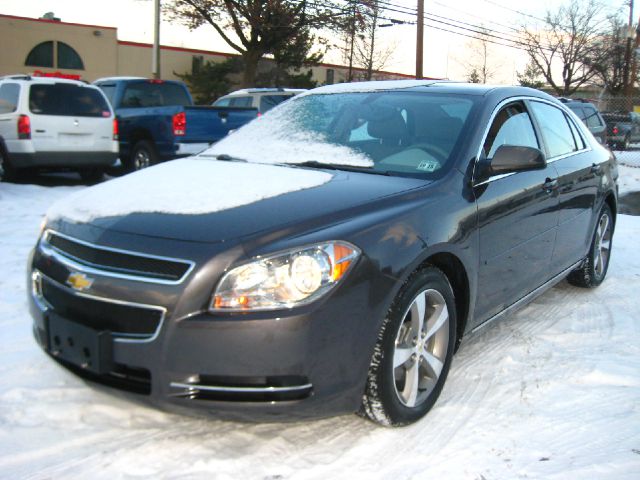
44,306
213,388
495,112
86,267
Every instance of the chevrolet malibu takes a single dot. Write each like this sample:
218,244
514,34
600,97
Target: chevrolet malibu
329,256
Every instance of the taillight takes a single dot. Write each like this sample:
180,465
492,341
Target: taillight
615,130
115,129
24,127
179,124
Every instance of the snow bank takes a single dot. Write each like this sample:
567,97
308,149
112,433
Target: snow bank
189,186
551,392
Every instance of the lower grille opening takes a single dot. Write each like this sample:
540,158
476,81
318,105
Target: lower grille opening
127,320
123,377
244,389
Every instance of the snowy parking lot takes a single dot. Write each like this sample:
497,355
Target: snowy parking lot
550,392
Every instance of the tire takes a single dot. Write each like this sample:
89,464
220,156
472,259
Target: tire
7,172
142,156
593,270
404,393
92,176
625,143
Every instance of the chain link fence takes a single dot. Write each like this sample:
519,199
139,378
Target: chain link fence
621,116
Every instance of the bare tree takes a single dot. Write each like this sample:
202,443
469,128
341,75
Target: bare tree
480,62
256,28
368,52
569,43
610,68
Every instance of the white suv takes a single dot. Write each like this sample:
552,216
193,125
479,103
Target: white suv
55,123
263,99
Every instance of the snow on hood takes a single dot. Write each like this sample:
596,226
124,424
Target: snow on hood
188,186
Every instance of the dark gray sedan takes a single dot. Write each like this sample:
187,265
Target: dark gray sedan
329,256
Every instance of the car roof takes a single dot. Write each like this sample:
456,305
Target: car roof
38,79
113,79
442,86
250,91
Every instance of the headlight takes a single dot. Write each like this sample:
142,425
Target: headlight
284,280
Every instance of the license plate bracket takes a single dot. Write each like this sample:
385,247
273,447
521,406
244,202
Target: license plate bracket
80,345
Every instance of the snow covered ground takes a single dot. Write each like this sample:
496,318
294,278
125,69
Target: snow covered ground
550,392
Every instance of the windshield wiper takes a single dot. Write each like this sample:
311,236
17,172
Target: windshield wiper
338,166
224,157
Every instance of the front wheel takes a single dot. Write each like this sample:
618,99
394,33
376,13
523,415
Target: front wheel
593,270
414,351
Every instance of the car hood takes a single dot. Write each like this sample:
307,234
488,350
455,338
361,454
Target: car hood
214,201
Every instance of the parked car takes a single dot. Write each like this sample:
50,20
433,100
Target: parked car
590,116
329,257
55,123
157,120
264,99
623,129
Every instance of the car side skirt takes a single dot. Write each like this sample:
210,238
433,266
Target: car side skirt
530,296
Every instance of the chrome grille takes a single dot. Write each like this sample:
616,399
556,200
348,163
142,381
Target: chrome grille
118,262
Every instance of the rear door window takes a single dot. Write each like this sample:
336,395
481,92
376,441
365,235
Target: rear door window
67,100
9,93
579,111
240,102
555,129
223,102
592,118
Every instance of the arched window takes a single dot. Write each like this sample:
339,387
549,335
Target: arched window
68,57
42,55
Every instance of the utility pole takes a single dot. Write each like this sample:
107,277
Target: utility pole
420,39
155,64
628,83
353,38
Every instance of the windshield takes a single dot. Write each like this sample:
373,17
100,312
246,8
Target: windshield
394,132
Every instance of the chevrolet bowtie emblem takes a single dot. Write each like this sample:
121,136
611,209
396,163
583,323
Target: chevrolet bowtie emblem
79,281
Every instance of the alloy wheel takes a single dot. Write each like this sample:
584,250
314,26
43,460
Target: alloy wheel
421,348
141,159
602,244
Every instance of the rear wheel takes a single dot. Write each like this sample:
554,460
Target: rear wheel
414,351
624,145
7,172
143,155
595,266
92,175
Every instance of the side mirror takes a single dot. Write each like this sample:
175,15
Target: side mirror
515,158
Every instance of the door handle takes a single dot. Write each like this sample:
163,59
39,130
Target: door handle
550,184
596,168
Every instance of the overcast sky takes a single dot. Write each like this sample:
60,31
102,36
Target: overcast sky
446,54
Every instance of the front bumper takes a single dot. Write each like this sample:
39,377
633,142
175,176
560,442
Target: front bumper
307,362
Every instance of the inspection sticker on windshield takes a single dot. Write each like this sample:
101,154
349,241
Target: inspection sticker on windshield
428,166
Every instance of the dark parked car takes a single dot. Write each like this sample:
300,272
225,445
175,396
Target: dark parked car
329,257
590,116
623,129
